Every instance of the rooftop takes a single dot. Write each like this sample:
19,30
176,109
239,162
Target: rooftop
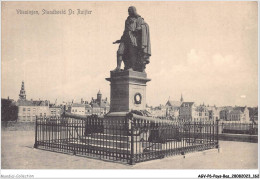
242,109
77,105
31,103
174,103
189,103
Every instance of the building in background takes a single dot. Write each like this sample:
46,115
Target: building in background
100,106
173,108
88,109
237,113
240,114
95,109
96,106
187,110
159,111
29,109
201,113
253,114
213,113
224,112
42,108
148,108
77,108
55,110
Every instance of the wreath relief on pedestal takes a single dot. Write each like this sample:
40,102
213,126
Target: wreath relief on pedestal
138,98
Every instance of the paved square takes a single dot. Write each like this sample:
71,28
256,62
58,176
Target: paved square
18,153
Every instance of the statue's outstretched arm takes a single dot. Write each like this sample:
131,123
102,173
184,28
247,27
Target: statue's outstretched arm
117,42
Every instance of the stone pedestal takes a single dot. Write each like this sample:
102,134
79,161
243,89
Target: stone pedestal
127,91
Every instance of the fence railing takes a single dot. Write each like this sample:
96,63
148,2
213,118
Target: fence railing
235,127
130,139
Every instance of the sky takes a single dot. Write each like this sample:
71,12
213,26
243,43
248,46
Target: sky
206,51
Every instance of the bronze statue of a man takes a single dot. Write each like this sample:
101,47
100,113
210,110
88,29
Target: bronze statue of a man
135,48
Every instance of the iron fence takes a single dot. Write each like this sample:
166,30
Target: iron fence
237,127
130,139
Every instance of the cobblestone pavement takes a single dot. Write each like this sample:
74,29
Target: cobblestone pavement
18,153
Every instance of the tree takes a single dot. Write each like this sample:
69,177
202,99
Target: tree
9,110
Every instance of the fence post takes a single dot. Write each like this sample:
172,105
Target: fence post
35,140
217,133
132,158
222,128
251,128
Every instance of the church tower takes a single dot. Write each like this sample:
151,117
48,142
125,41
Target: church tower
22,95
99,97
181,98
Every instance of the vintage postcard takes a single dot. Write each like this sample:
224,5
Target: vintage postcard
129,85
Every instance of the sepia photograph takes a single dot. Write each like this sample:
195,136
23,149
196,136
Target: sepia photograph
137,85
